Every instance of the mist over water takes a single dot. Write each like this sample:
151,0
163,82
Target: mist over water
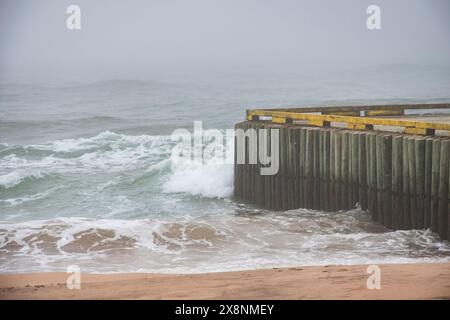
86,176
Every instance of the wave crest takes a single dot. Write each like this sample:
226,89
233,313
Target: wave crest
16,177
114,154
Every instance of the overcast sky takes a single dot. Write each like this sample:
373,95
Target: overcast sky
135,39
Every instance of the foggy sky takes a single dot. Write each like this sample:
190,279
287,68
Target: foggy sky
138,39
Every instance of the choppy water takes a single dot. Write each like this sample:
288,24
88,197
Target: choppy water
86,178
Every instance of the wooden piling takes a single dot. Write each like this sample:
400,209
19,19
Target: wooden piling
302,167
435,165
412,181
326,170
406,187
345,170
367,169
420,181
427,183
332,195
289,169
379,175
273,178
443,189
387,180
337,169
397,182
354,170
309,169
256,186
238,166
316,168
283,169
261,178
373,177
266,180
448,206
245,165
321,171
362,171
296,163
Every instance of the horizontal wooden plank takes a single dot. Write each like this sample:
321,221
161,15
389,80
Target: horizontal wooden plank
385,112
392,107
352,122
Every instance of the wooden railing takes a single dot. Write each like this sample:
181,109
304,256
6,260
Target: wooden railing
355,117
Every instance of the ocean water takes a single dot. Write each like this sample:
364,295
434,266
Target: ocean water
86,177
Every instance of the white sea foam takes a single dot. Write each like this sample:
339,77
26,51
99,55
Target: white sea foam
106,138
106,152
15,177
209,176
209,180
191,244
112,152
27,198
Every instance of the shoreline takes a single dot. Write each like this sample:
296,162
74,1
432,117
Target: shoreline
398,281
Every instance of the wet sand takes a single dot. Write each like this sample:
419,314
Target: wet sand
398,281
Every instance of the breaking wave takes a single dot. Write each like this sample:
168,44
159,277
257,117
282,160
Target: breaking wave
112,153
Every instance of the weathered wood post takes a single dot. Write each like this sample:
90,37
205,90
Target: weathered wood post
373,177
309,169
427,183
435,165
362,172
387,180
332,196
326,170
420,181
316,170
321,170
337,169
406,185
397,181
443,190
412,182
345,171
354,170
379,175
302,157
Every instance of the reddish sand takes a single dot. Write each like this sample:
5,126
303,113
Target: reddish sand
400,281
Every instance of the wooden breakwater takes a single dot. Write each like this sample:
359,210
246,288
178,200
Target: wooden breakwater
402,180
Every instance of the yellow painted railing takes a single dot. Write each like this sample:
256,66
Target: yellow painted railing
356,117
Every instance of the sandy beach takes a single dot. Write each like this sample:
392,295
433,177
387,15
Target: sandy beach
398,281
